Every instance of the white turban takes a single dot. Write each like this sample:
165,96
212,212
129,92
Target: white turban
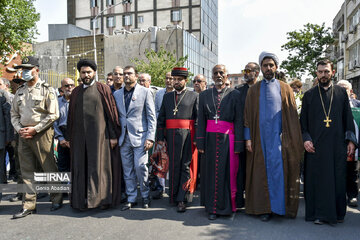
268,55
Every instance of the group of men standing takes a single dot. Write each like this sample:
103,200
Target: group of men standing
243,140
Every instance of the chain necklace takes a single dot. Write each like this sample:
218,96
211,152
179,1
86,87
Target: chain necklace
176,109
327,120
216,117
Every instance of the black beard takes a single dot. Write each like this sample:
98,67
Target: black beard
178,87
91,80
324,84
269,76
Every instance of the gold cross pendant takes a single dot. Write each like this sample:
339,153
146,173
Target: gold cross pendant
175,110
327,121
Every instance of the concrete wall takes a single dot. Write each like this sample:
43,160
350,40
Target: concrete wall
120,49
51,48
63,31
167,39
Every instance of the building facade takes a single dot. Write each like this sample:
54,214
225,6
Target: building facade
346,49
199,18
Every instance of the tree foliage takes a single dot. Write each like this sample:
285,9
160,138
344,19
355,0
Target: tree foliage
157,64
17,25
306,46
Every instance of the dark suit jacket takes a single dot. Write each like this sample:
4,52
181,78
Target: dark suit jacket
6,129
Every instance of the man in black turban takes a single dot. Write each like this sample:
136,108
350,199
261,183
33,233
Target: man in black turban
93,130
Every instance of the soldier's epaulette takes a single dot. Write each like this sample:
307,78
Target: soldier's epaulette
45,84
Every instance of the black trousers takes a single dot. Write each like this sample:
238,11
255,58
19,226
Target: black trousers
352,175
63,158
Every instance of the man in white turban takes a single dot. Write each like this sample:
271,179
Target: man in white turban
274,146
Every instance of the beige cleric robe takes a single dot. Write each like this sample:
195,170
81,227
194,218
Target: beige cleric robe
257,194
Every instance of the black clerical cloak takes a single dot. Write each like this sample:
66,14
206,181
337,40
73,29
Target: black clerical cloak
95,167
215,175
180,142
241,176
325,170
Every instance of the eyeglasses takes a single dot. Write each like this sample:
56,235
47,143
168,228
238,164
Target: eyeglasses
227,84
247,71
69,85
197,81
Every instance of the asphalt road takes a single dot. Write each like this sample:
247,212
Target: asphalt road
161,221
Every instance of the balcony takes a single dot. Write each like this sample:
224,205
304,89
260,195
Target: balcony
339,54
340,24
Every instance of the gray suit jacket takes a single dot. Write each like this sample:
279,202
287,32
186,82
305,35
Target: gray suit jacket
6,129
140,120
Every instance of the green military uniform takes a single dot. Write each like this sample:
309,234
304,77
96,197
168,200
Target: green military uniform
37,107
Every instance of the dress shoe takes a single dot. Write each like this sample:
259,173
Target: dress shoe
212,216
16,198
128,205
181,207
56,206
24,213
318,222
146,202
353,202
265,217
158,194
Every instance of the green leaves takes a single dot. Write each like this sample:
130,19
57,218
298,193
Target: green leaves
157,64
17,26
306,46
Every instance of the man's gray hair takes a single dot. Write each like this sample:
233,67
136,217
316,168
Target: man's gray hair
6,82
345,83
146,75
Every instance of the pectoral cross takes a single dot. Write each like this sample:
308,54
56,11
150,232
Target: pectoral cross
175,110
327,121
216,117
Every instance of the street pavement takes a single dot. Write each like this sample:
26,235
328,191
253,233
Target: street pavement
161,221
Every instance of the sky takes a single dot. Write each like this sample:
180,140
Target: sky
246,27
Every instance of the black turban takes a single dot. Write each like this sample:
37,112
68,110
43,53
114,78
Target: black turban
86,63
179,71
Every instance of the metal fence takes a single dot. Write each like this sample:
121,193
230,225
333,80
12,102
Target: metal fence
54,78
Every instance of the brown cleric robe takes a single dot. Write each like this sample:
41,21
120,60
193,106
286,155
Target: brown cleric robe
95,167
257,195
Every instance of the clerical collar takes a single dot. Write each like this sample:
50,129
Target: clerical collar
267,81
180,92
326,88
92,83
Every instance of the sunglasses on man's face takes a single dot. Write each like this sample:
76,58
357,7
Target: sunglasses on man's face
247,71
197,81
69,85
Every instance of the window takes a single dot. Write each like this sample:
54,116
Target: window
140,19
93,3
92,23
110,22
176,15
109,2
127,20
